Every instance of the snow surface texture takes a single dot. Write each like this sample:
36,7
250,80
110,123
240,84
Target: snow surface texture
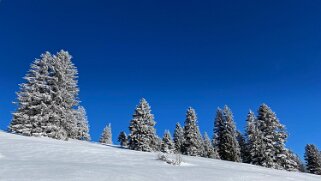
29,158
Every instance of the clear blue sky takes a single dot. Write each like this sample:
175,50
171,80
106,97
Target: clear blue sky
176,54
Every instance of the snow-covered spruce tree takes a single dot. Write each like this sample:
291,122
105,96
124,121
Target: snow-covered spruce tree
218,130
209,151
243,146
178,138
313,159
34,99
142,135
273,135
122,139
250,133
82,127
254,140
46,100
65,96
225,136
106,136
167,145
193,143
229,148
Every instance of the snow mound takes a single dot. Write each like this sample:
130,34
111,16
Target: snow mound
32,159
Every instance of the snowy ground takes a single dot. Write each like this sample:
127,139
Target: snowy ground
28,158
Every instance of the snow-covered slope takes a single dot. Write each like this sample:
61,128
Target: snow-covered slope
28,158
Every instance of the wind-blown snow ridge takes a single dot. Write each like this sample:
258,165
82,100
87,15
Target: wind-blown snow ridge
29,158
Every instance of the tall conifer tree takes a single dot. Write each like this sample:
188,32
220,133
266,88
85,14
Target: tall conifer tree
229,148
178,138
193,143
34,99
253,141
313,159
47,99
142,135
273,135
218,130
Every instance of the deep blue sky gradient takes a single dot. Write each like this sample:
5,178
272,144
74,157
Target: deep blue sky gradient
176,54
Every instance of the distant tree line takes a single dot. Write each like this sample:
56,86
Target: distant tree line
262,144
48,106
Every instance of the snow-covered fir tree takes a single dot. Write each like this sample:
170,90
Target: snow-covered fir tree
122,139
312,157
209,151
250,133
82,127
230,149
178,138
167,145
46,100
193,143
142,135
243,146
106,136
65,95
254,140
34,99
218,130
226,140
273,151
